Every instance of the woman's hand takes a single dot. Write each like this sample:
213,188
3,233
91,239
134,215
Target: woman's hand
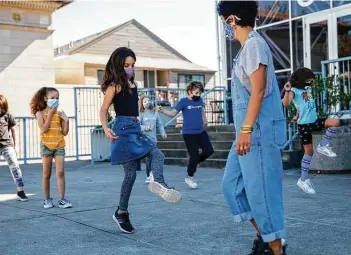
287,87
110,134
63,115
243,144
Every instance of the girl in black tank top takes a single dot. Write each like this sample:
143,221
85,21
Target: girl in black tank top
128,143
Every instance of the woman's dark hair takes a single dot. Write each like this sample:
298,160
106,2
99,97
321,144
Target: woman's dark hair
299,76
38,102
4,105
114,70
245,10
193,85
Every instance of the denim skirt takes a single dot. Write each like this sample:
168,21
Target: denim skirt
131,143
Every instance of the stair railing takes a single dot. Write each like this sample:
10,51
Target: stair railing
222,91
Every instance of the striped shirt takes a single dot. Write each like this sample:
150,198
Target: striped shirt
53,139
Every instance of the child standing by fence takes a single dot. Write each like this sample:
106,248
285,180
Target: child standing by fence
129,144
298,91
194,135
54,125
8,144
150,122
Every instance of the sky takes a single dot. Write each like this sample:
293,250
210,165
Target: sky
189,26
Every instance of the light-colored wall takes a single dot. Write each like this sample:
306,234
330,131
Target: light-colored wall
141,44
90,74
26,64
69,72
33,18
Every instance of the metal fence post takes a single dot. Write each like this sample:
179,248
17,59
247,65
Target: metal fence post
226,113
76,122
25,141
324,93
290,138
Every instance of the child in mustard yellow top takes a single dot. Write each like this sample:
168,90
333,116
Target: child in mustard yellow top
53,126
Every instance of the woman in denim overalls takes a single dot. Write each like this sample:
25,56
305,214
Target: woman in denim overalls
252,182
129,144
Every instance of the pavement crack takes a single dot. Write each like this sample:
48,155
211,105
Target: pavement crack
121,235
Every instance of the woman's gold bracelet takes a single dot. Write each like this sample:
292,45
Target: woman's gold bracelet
245,131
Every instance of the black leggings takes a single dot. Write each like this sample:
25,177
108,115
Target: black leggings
193,142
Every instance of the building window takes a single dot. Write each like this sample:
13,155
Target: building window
184,79
100,74
149,79
278,40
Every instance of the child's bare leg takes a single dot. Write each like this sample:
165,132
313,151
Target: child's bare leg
47,166
60,174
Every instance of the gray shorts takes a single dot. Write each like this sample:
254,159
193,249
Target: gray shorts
46,152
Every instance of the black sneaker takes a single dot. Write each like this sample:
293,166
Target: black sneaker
270,252
259,246
123,222
22,196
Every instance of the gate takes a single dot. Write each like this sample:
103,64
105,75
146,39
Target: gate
87,103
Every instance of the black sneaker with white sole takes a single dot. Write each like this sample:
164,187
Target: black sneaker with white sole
64,203
123,222
22,196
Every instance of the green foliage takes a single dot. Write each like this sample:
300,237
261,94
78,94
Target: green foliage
329,93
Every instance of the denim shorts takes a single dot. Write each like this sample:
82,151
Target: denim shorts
46,152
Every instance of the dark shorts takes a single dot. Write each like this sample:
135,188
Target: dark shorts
306,130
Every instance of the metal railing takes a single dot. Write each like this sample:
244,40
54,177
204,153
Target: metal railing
339,70
28,139
215,103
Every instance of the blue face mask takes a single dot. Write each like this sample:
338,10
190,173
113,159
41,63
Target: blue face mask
229,32
52,103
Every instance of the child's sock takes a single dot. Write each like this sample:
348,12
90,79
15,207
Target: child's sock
329,134
305,166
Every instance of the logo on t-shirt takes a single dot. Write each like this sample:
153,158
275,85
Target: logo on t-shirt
190,107
308,99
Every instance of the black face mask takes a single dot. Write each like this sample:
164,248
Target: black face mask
196,98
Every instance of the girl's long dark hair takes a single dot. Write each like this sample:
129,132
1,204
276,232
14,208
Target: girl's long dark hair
299,76
38,102
114,70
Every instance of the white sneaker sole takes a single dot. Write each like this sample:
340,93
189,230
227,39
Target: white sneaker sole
120,228
325,154
65,206
170,195
48,206
21,199
301,187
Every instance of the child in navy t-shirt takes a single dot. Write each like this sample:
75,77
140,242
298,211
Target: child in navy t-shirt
193,131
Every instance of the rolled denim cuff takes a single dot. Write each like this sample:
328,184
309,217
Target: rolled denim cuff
246,216
274,236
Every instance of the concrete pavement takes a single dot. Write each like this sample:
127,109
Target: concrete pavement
199,224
